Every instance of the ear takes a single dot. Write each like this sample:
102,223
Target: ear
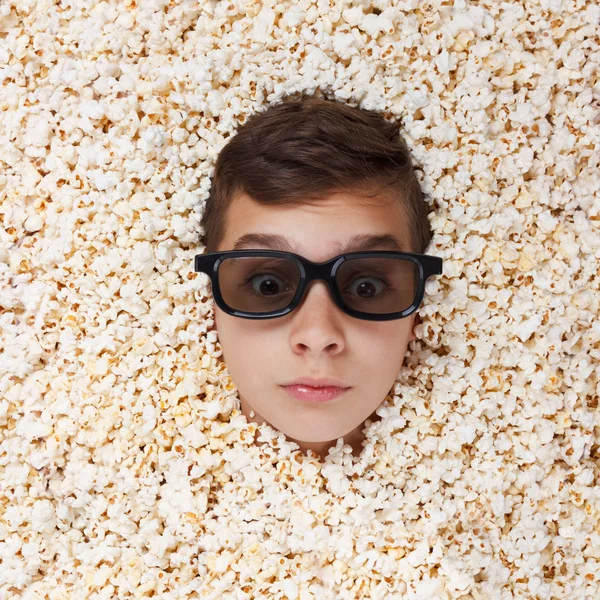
417,321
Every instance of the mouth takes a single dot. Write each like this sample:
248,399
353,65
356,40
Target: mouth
318,383
306,393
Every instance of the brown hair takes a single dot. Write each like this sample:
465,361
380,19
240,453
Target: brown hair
307,147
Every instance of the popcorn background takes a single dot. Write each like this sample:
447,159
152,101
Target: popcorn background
126,467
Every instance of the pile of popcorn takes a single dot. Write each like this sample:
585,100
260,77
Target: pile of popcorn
126,467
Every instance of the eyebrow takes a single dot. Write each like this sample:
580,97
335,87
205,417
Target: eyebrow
358,243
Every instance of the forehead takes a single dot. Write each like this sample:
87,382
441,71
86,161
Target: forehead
339,223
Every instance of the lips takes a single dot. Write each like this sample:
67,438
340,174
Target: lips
317,383
314,394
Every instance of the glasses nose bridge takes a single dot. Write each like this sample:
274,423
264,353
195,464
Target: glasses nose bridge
318,272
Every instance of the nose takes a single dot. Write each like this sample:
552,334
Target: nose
314,322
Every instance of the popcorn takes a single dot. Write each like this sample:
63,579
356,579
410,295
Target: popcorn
121,430
38,131
43,518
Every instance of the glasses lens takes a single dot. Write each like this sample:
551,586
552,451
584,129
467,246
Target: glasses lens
378,285
257,284
374,285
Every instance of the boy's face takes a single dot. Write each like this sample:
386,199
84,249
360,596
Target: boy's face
317,339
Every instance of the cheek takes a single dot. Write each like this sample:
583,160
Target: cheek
389,334
387,346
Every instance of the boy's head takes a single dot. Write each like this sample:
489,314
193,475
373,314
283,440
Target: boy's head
317,172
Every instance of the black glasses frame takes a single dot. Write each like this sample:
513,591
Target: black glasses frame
311,271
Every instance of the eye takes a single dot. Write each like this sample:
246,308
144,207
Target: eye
266,284
366,290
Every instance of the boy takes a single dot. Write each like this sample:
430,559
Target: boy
295,179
